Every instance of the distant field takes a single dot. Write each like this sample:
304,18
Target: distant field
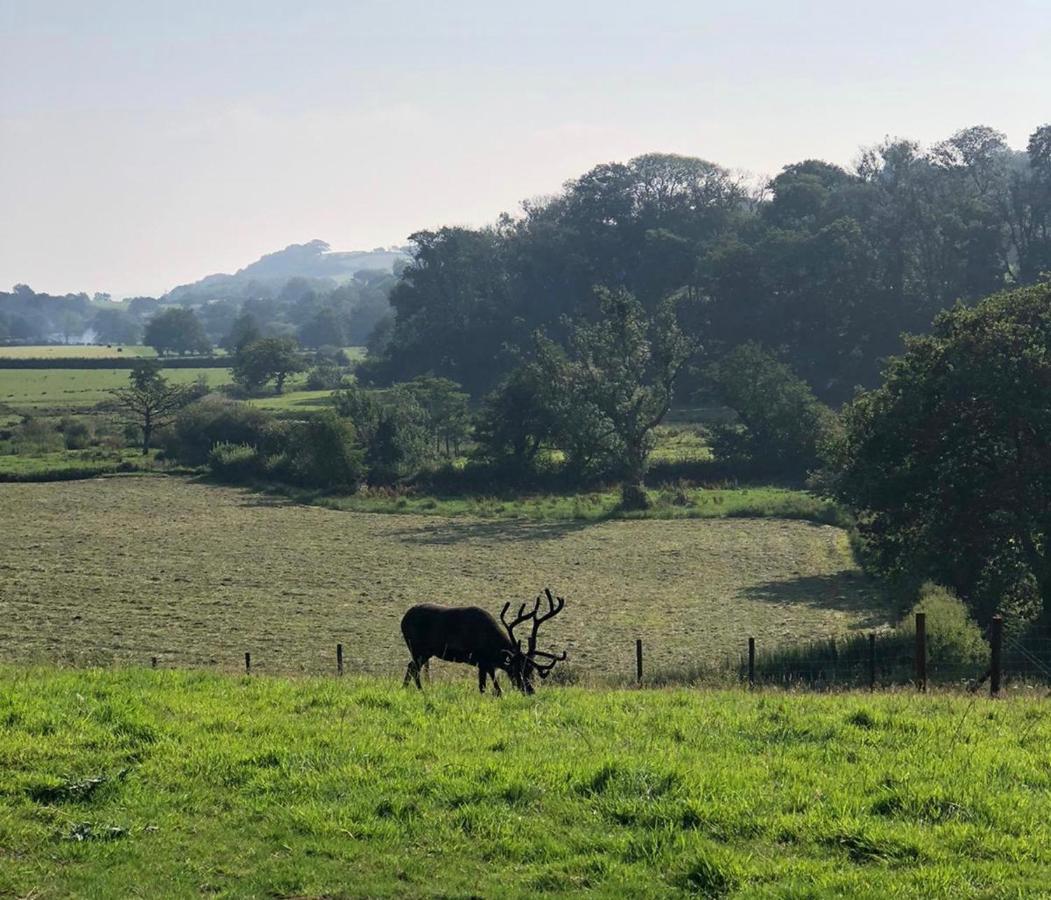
59,351
294,401
162,784
60,389
123,569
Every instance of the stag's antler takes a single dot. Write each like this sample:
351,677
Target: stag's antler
522,616
544,669
554,607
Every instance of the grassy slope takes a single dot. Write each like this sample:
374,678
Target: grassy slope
128,568
61,389
267,787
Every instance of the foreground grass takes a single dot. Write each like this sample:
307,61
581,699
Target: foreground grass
139,783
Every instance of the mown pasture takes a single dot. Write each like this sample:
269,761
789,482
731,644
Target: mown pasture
118,570
175,784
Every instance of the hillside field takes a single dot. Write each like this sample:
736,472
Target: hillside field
123,569
175,784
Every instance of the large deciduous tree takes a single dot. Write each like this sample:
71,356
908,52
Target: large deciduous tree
266,360
948,464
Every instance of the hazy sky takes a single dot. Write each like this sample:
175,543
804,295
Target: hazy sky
144,144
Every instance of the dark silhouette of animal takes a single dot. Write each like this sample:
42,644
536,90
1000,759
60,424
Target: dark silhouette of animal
469,634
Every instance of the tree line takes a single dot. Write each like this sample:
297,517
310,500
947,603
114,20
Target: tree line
824,265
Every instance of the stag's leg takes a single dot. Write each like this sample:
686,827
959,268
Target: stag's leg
496,686
413,672
482,673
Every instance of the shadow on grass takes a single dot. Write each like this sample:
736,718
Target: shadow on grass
849,592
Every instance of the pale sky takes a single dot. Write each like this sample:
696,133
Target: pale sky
145,144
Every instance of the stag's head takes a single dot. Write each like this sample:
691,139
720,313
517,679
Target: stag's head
522,662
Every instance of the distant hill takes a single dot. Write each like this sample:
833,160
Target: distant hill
313,260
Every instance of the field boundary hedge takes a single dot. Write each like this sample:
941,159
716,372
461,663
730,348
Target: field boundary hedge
113,362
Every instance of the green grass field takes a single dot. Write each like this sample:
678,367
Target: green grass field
40,390
667,503
123,569
65,351
138,783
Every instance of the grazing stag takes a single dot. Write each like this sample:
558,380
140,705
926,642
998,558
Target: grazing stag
469,634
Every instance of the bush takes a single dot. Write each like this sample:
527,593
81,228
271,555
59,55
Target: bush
76,433
324,378
215,420
954,641
321,452
234,462
36,436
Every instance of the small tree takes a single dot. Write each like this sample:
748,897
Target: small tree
623,367
785,426
176,330
149,402
269,359
445,409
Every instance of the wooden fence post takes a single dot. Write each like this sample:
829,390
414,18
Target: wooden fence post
638,660
996,636
248,663
339,659
872,661
921,651
751,662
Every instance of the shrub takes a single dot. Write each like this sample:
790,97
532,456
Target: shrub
36,436
324,378
954,640
214,420
76,433
321,452
234,462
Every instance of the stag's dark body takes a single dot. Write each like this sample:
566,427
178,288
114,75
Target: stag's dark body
462,634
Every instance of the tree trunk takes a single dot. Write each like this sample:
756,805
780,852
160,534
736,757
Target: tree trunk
147,432
633,495
632,492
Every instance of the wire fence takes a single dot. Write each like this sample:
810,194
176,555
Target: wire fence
863,661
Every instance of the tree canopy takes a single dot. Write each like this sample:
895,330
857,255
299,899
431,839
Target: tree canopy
823,265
